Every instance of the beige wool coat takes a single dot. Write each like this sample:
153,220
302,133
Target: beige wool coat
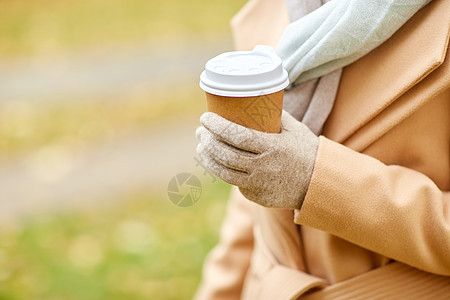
375,223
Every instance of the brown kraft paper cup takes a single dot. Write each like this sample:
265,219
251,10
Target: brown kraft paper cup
261,113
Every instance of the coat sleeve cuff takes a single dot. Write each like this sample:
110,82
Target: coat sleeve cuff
391,210
332,178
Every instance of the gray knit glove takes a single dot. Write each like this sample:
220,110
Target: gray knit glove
273,170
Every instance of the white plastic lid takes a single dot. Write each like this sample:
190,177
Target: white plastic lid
244,73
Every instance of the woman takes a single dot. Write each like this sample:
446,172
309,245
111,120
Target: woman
363,210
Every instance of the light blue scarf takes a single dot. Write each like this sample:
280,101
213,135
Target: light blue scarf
338,33
323,38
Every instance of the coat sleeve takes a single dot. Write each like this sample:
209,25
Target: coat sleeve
226,265
391,210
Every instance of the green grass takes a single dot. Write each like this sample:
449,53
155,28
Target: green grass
29,27
140,247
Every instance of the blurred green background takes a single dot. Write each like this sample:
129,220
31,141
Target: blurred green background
99,101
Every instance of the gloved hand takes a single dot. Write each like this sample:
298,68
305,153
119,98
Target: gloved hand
273,170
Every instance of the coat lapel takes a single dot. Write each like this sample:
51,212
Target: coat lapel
371,85
431,87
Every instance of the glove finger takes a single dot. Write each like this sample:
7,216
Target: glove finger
289,124
236,135
229,156
205,137
228,175
226,154
287,120
198,132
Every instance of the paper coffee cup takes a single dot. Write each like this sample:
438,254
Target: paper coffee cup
246,87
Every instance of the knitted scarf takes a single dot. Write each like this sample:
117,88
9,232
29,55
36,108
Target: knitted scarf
311,102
